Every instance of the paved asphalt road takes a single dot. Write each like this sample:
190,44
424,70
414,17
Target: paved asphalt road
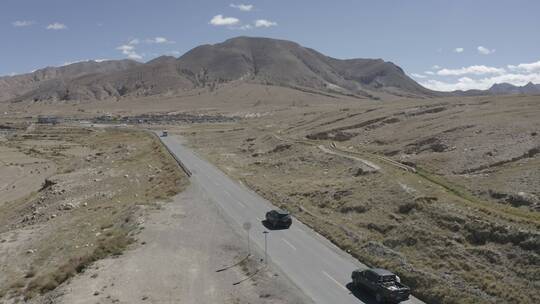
314,264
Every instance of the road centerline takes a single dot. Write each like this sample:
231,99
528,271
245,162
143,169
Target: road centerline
334,280
288,243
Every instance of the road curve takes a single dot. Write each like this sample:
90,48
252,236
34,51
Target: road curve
320,269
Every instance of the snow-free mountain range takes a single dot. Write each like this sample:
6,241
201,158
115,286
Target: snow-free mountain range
242,59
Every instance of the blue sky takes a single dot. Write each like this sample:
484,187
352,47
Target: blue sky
458,44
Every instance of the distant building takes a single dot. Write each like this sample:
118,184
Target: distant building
50,120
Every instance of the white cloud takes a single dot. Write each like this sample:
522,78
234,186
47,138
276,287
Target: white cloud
526,67
129,48
129,51
485,51
473,69
418,75
219,20
482,77
435,67
22,23
126,48
459,50
86,60
242,7
174,53
134,56
159,40
264,23
466,83
244,27
56,26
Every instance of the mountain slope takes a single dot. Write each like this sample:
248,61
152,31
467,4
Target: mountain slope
503,89
245,59
508,89
287,63
53,80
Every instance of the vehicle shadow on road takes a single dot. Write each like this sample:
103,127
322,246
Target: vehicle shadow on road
269,226
361,294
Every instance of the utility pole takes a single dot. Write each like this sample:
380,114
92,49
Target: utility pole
265,247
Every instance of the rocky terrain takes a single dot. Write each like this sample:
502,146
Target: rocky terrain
79,198
443,192
441,189
92,214
54,82
241,59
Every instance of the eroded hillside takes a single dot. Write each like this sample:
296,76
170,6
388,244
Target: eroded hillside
444,193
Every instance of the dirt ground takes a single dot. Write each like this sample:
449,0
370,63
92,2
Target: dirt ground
93,216
75,197
184,247
445,192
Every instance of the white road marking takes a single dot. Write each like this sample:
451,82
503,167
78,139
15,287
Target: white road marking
238,202
334,280
290,245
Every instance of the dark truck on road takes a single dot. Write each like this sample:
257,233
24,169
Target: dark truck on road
279,218
383,284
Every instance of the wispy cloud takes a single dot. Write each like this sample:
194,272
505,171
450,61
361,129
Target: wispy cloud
242,7
467,83
244,27
219,20
173,53
418,76
56,26
130,48
459,50
22,23
485,51
85,60
473,69
264,23
526,67
159,40
129,51
483,77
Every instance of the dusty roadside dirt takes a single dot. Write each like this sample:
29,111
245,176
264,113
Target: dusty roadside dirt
92,215
463,229
182,246
77,196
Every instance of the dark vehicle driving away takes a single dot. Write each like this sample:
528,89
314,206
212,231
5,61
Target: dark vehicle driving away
383,284
279,218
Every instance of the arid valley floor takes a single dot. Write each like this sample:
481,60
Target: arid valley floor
442,191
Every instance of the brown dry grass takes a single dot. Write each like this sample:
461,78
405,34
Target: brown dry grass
120,174
437,230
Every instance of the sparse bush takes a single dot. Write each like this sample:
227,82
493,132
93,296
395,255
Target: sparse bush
408,207
356,209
